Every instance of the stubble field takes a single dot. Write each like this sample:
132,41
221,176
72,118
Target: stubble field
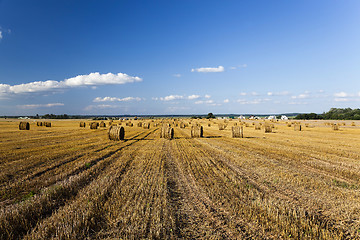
67,182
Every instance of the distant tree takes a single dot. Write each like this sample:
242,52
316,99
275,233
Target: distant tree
210,115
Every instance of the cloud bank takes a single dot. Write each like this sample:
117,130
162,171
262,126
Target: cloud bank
176,97
115,99
48,105
92,79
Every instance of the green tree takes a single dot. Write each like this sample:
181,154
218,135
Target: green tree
210,115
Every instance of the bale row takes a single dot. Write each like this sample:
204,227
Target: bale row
237,132
167,132
45,124
197,131
24,126
116,133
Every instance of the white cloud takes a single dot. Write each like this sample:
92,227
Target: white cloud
36,87
48,105
204,102
226,100
171,98
208,69
301,96
177,75
243,94
115,99
232,68
284,93
91,79
243,66
100,79
254,93
176,97
193,97
208,96
341,94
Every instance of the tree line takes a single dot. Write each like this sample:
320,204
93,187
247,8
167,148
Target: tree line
333,114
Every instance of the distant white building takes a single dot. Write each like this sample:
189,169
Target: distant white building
283,117
241,117
272,117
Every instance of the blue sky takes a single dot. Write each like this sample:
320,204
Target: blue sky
178,57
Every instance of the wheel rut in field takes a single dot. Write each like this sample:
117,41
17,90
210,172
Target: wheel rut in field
199,215
174,194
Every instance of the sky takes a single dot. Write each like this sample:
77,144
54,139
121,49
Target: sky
178,57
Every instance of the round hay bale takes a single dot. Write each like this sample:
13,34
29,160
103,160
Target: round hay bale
47,124
353,124
335,127
82,124
102,124
268,128
257,127
222,126
197,131
139,124
146,125
237,132
94,125
39,124
167,132
182,125
116,133
24,126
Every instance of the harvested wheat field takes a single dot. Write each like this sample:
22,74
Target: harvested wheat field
71,182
